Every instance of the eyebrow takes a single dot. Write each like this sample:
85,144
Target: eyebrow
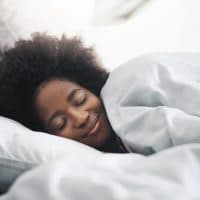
68,98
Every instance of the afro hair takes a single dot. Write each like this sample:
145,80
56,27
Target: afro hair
43,57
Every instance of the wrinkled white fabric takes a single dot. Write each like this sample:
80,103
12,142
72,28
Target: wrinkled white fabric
173,174
153,101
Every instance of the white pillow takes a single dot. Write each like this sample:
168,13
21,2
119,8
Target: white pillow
21,149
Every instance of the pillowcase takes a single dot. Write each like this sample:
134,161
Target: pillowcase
21,149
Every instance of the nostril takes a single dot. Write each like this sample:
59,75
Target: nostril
81,120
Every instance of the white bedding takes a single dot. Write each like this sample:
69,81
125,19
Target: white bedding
169,175
150,110
153,101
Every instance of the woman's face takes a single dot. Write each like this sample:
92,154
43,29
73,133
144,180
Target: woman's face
68,110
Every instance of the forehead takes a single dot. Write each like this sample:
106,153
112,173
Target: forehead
58,84
56,87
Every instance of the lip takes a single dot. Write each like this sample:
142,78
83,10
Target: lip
93,129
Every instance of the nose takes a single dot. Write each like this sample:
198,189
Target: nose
79,118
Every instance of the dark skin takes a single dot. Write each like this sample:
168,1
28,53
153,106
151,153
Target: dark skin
68,110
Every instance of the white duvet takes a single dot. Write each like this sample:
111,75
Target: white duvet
169,175
153,101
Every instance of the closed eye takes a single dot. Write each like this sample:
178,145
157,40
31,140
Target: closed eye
58,123
79,98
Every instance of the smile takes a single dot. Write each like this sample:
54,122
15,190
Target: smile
94,128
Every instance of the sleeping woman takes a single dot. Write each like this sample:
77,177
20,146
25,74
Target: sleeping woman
59,86
54,86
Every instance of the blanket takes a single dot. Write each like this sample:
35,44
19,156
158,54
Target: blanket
172,174
153,101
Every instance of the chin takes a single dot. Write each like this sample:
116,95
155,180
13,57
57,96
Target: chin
97,141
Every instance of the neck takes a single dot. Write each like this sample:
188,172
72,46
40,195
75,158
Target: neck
113,145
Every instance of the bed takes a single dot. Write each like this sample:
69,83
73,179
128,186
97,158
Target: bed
152,116
34,165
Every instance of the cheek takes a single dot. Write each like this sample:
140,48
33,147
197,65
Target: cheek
96,104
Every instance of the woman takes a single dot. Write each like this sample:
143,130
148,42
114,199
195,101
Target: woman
53,85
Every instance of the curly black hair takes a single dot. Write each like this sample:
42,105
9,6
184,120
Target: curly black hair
43,57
